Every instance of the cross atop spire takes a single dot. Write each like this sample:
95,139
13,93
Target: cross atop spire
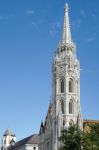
66,36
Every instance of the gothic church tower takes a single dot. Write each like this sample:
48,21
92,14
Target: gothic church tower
65,107
66,84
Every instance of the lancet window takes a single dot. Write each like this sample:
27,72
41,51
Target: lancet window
71,107
62,86
71,85
62,106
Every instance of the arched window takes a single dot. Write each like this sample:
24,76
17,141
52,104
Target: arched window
71,123
62,85
71,107
5,141
77,87
62,106
71,85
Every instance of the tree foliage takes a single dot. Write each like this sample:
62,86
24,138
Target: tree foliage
74,139
91,138
71,138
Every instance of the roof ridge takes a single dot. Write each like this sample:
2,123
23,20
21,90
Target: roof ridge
32,139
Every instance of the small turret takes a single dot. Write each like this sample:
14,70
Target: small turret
7,138
41,128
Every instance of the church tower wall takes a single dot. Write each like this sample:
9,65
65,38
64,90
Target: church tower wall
65,108
66,84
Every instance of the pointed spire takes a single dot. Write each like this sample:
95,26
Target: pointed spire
66,8
66,36
9,132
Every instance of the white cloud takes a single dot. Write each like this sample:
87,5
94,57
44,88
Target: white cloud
30,12
95,17
37,24
90,39
77,24
7,17
79,21
82,13
52,33
54,28
55,25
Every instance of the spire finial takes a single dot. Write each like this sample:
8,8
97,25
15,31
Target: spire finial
66,8
66,37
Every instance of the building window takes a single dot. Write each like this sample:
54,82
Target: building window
62,85
77,87
71,109
62,106
5,141
71,86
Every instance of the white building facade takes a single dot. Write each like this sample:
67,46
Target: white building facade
9,142
65,108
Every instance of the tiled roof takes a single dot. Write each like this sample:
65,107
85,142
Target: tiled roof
90,121
33,139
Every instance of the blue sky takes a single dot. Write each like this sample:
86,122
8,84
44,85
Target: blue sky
29,34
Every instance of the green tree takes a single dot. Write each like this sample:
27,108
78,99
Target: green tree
91,138
74,139
71,138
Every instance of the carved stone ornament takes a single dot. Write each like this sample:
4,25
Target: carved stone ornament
60,97
61,71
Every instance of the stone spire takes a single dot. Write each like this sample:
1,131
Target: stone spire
8,137
66,36
9,132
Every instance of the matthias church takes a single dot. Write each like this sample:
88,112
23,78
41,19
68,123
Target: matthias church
64,109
